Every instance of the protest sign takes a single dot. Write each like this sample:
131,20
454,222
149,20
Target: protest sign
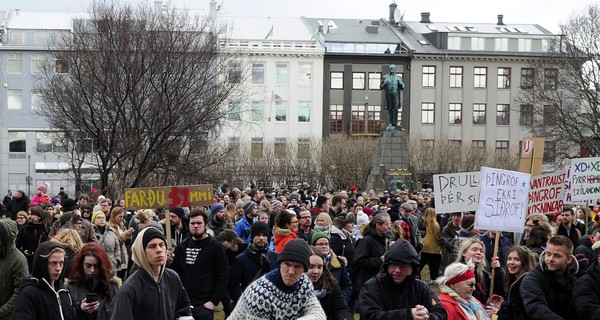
584,180
455,192
503,199
546,193
168,197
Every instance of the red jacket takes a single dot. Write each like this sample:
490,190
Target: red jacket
453,308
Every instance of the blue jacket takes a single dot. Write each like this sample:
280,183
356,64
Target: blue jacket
242,228
244,271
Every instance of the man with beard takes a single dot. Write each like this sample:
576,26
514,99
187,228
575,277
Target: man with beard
218,222
252,263
33,233
179,229
19,203
201,263
242,227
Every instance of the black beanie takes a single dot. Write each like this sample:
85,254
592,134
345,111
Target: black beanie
296,250
150,234
259,227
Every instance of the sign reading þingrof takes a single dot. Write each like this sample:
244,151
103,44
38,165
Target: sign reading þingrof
168,197
455,192
546,193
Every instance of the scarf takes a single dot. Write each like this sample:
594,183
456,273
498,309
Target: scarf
260,255
471,308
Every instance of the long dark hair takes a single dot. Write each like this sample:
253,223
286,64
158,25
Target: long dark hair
92,250
527,264
326,281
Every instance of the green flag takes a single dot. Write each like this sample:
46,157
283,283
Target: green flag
222,30
270,34
315,34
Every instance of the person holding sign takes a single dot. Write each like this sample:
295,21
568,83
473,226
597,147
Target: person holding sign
472,250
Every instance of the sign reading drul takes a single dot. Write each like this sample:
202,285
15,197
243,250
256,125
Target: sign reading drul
168,197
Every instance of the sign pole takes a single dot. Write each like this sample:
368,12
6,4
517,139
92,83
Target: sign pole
168,229
496,242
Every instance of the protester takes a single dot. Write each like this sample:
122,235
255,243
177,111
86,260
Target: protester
370,250
431,254
335,264
13,267
567,227
107,237
285,229
153,291
18,203
243,226
457,286
284,293
32,234
585,291
449,239
218,220
472,251
117,218
71,242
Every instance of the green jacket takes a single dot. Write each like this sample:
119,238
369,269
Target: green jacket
13,267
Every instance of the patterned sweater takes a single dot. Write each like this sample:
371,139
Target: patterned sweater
269,298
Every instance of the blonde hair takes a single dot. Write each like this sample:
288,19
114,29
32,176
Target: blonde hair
464,247
69,238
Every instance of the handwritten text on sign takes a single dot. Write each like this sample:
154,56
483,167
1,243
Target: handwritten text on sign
546,193
502,200
168,197
456,192
585,179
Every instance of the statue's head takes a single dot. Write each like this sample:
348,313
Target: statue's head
392,68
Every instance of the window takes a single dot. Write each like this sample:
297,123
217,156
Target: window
549,151
524,44
233,144
527,75
61,66
38,61
549,116
502,114
427,112
235,111
479,113
36,101
358,80
281,73
456,74
15,99
428,76
86,143
550,78
478,144
280,147
17,141
477,43
256,147
303,111
502,44
16,37
374,80
480,77
258,73
281,110
234,72
304,74
453,43
337,80
501,148
336,118
455,113
49,142
526,114
503,78
304,148
15,63
257,113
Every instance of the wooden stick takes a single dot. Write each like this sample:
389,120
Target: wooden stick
493,270
168,229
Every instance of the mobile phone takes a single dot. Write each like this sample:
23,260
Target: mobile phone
91,297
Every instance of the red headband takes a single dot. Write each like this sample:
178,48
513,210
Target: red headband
465,276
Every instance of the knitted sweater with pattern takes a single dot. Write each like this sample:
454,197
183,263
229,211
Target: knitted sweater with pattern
269,298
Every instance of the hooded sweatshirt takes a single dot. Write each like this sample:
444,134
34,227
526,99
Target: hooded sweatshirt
13,267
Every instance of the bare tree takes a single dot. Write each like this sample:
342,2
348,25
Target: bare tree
562,88
147,89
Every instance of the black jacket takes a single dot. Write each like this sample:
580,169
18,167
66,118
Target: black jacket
381,298
512,308
91,285
37,300
17,204
587,295
334,305
342,244
30,237
367,257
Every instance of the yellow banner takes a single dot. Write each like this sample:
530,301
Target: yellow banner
168,197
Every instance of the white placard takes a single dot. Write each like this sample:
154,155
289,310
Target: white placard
455,192
503,200
546,193
584,179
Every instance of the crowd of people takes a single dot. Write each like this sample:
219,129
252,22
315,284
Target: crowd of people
291,254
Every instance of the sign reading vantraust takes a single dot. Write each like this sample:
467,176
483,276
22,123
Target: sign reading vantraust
168,197
502,200
546,193
585,179
455,192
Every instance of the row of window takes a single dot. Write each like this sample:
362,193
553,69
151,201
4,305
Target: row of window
46,142
480,77
38,62
360,80
455,113
257,111
304,76
499,44
15,99
281,149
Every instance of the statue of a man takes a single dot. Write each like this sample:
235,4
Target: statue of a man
392,84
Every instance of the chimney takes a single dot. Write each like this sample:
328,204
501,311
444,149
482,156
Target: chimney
500,20
425,17
393,7
17,11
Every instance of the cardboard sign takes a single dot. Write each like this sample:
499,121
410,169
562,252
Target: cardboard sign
503,197
546,193
584,179
168,197
455,192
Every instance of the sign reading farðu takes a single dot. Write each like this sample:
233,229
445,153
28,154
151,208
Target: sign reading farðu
168,197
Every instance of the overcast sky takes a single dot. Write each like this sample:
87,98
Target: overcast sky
547,13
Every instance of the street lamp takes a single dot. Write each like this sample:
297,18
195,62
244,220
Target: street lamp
28,179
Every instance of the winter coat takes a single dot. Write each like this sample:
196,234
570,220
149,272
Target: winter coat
39,200
380,298
13,267
217,226
334,305
337,267
110,242
587,295
17,204
573,233
547,295
242,229
512,308
431,241
282,236
449,241
453,310
342,244
367,258
91,285
245,270
38,300
30,237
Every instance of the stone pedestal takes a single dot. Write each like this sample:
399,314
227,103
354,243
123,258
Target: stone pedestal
391,166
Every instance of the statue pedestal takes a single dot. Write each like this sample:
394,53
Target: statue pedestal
391,166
